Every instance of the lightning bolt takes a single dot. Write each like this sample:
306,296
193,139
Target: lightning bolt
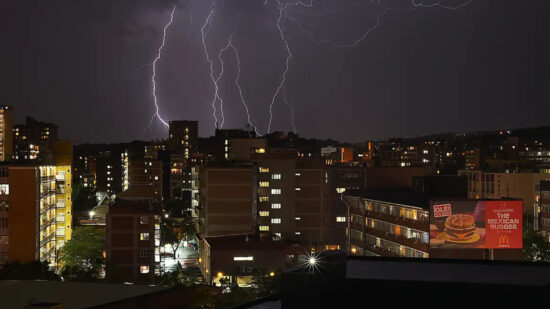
323,13
204,31
238,85
283,15
334,44
153,77
438,4
217,95
359,40
282,12
292,117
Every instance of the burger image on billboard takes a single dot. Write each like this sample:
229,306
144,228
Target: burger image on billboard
460,227
483,224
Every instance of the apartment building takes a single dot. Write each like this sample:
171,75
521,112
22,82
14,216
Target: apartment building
224,199
183,137
388,223
296,200
36,212
491,185
6,133
144,173
133,240
543,221
33,139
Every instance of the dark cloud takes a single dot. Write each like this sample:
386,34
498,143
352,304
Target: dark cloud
83,65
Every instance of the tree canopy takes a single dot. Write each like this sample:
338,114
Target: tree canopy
27,271
535,247
83,253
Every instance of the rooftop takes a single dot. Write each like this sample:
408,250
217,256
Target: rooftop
73,295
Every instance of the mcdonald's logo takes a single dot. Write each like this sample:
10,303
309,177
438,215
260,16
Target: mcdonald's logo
503,239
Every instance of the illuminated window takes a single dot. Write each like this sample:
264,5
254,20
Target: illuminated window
298,174
297,233
144,269
276,176
264,228
277,236
143,236
275,220
260,150
264,184
275,191
243,258
298,189
5,189
340,219
276,205
264,169
264,213
264,198
298,218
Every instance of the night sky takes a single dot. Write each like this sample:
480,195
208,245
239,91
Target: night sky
83,64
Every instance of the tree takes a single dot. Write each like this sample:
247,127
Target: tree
174,231
82,255
84,198
27,271
265,284
535,247
233,295
180,277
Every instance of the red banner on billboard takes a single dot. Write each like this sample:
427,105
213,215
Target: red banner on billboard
503,224
482,224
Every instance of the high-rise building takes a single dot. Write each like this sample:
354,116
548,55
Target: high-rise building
489,185
222,142
33,139
183,137
296,200
224,199
6,133
389,223
133,241
146,173
39,220
543,221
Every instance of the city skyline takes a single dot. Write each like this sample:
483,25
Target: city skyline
99,67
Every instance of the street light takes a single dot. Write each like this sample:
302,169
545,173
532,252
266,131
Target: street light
312,261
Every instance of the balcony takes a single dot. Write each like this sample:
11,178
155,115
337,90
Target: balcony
381,251
357,242
421,225
357,226
46,207
45,223
60,204
47,239
399,239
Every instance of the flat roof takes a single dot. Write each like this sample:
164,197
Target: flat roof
448,271
409,197
239,241
403,197
72,295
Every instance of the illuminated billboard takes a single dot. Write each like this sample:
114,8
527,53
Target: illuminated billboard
496,224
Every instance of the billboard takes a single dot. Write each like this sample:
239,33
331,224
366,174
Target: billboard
496,224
